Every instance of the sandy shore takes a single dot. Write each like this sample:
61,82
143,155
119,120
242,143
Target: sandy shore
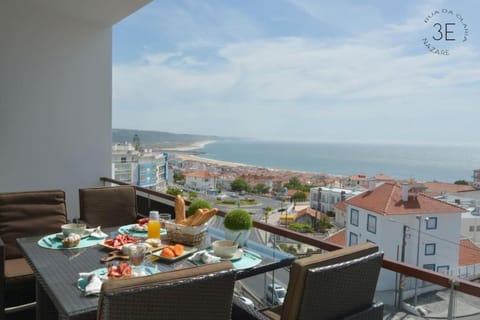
189,157
190,147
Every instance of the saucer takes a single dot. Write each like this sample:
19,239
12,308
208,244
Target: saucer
236,255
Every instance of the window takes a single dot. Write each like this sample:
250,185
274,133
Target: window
478,228
443,269
353,239
354,217
430,266
372,223
430,249
471,228
432,223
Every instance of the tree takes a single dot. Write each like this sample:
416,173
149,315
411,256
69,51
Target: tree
299,196
266,212
174,191
261,188
178,177
462,182
293,183
192,195
240,185
136,142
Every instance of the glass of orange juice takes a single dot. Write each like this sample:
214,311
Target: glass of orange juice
153,225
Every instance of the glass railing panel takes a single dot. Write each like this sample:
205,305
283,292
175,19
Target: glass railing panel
425,300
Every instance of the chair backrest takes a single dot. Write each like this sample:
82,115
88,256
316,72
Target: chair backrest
203,292
108,206
24,214
340,290
298,272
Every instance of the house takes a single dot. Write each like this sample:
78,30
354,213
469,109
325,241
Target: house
380,215
308,216
200,180
324,198
340,214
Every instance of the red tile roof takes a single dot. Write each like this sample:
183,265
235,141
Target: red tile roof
439,187
387,199
341,206
469,253
382,177
199,174
338,238
310,212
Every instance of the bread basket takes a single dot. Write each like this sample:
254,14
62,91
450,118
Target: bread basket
188,235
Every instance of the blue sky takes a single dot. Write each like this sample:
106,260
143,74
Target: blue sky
300,70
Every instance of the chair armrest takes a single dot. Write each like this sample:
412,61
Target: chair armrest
374,312
241,311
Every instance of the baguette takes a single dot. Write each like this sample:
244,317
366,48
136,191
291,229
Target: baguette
206,215
179,209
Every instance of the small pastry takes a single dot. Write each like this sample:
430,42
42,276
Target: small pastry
71,241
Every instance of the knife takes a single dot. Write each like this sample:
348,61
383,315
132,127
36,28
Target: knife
254,255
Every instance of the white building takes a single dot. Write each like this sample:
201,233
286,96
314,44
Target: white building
380,214
56,93
142,168
325,199
200,180
471,224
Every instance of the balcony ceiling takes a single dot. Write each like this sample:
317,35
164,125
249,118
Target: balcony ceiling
103,12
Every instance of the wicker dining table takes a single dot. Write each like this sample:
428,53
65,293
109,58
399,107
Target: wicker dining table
57,273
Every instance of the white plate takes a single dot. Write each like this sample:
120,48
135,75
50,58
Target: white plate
237,255
186,251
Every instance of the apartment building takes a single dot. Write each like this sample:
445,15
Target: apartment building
387,214
200,180
325,199
143,168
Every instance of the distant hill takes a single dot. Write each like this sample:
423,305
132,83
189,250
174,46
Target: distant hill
158,138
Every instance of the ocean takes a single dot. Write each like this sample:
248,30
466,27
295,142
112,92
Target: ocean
422,162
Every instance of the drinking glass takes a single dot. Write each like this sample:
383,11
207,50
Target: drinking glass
154,225
136,254
163,218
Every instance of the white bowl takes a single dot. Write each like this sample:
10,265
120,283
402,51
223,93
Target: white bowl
224,248
78,228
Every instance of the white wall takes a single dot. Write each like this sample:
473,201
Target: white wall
55,101
390,233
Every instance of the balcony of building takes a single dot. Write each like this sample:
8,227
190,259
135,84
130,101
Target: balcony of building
420,293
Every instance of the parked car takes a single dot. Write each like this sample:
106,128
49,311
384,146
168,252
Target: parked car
275,294
247,301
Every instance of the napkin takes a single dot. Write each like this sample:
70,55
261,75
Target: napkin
205,257
97,233
94,284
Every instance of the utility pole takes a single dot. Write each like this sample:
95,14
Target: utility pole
402,259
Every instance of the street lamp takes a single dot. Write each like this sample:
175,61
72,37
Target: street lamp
418,255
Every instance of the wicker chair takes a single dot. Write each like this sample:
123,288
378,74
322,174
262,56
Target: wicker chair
108,206
203,292
24,214
334,285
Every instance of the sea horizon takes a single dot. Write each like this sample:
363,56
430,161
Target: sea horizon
422,162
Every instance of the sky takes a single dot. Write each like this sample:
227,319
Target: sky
301,70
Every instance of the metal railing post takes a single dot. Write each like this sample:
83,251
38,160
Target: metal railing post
451,301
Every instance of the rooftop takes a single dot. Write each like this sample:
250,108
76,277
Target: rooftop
387,199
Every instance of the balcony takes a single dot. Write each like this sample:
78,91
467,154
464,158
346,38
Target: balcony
438,295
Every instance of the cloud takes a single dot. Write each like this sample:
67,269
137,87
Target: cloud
365,86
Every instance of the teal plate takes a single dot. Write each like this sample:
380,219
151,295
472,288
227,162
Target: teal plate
139,234
82,282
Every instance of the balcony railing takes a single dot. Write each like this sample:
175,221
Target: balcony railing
153,200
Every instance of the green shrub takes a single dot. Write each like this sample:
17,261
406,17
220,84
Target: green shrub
238,219
197,204
301,227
